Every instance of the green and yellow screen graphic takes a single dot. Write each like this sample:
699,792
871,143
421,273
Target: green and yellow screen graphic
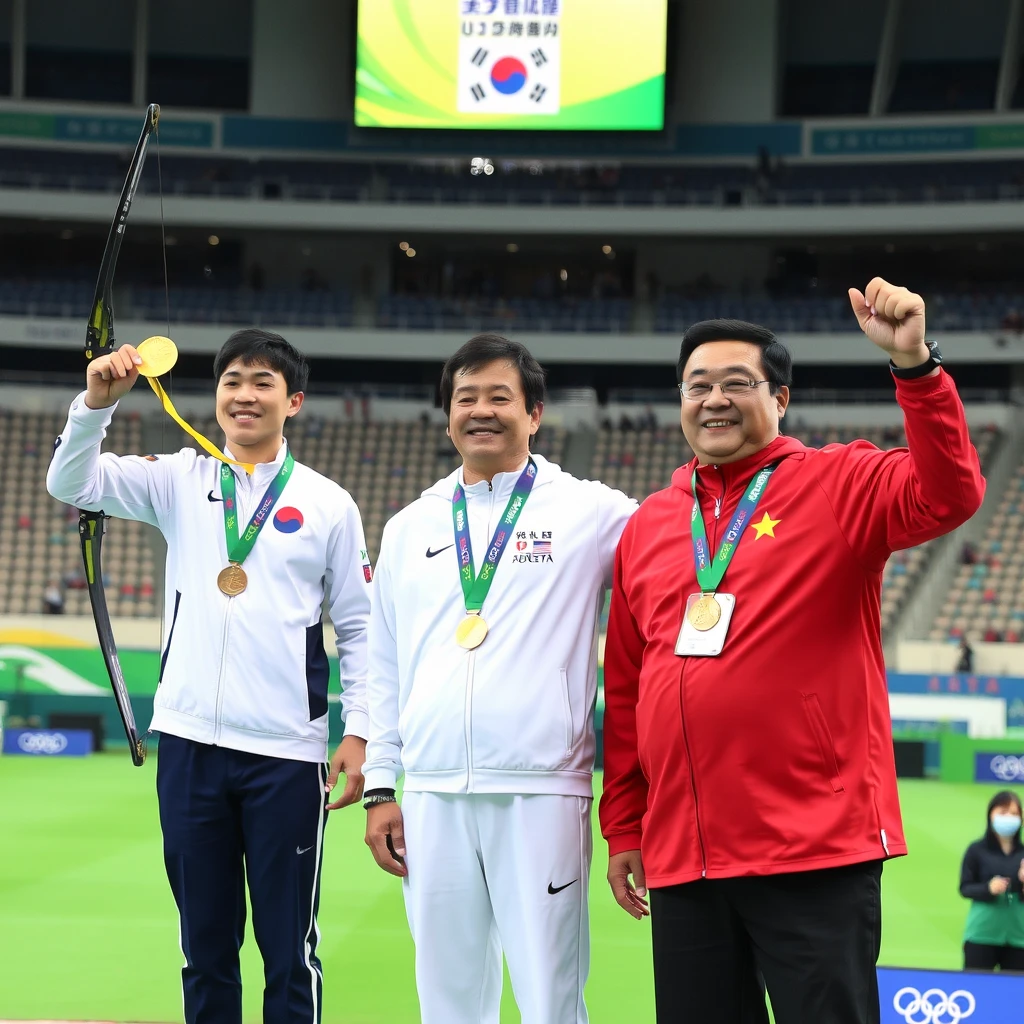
555,64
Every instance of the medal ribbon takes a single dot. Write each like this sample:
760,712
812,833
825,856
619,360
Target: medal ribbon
710,573
475,590
239,547
206,444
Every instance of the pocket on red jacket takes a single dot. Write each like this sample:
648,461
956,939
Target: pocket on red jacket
823,737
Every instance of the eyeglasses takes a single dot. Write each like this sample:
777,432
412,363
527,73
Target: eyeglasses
696,391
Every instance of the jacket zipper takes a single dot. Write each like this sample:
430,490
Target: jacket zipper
693,777
218,725
682,714
470,666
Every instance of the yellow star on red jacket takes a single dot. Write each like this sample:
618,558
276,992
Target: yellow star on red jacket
765,528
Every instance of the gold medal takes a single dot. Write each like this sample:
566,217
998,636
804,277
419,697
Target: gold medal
471,632
705,613
158,355
232,580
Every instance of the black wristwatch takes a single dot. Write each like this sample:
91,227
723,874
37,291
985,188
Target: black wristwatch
913,372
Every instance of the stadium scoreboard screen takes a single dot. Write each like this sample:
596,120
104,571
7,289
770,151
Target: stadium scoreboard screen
534,64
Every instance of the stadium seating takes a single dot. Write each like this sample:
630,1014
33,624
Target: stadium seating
547,183
383,465
71,298
236,306
986,599
946,312
39,536
428,313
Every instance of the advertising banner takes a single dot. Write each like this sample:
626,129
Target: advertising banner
48,742
912,996
993,766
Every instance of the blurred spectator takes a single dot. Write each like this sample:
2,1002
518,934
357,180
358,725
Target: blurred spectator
74,579
966,663
992,878
53,598
968,554
1012,321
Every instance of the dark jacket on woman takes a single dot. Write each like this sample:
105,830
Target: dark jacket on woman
993,920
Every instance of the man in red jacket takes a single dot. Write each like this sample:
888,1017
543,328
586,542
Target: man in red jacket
749,774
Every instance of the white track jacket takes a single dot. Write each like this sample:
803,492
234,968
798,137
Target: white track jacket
516,714
247,672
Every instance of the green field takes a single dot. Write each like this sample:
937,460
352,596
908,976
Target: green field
88,929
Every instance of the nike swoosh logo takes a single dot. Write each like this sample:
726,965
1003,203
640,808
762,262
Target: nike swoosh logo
300,852
430,554
552,890
210,496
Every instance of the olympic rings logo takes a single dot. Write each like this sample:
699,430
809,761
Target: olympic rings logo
42,742
1008,768
933,1006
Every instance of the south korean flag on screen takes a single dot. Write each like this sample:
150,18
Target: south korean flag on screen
509,56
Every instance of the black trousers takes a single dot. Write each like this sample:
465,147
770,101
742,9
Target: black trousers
979,957
812,938
229,817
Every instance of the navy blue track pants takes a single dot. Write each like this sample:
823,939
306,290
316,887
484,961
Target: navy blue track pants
229,817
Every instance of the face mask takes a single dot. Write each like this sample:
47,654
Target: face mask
1005,825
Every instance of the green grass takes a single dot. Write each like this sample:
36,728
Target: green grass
88,928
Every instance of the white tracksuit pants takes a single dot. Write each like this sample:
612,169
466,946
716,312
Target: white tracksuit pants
491,873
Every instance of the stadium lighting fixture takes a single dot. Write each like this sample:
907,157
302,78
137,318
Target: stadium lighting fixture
213,240
511,247
410,251
564,274
403,246
606,249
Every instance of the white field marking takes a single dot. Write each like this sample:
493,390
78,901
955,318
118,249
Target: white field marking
43,669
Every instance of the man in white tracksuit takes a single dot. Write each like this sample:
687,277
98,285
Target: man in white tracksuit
241,701
481,685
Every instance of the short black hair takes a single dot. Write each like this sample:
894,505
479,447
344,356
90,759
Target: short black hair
775,357
491,348
256,347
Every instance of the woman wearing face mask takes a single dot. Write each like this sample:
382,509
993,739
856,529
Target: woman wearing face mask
992,878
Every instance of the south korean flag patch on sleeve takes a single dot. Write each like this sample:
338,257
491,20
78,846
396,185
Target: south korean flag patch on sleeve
510,56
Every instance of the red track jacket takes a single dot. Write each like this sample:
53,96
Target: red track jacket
776,755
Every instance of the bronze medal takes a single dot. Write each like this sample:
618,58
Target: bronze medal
232,580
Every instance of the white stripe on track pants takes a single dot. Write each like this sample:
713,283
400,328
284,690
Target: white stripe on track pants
491,873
